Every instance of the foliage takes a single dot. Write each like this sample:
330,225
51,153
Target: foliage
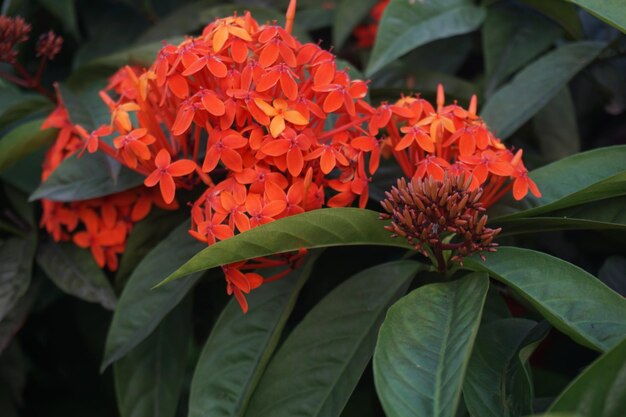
138,178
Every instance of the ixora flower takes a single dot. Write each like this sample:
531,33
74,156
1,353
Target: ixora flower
457,168
246,117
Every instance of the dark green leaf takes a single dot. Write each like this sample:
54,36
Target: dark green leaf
15,319
407,25
133,55
533,87
582,178
612,12
314,18
22,141
65,11
495,307
613,273
554,287
562,13
86,109
16,264
316,369
607,214
512,37
313,229
149,379
186,19
599,390
140,308
497,383
424,347
348,15
75,272
26,175
88,176
22,107
556,127
240,345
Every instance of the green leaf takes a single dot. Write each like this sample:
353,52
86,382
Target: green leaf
313,229
88,176
424,347
16,265
316,369
15,319
148,381
613,273
609,214
582,178
140,308
497,383
562,13
186,19
22,141
599,390
556,127
22,107
512,37
240,345
133,55
348,15
74,271
612,12
533,87
65,11
25,176
554,287
86,109
406,25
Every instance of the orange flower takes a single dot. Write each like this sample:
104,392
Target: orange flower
166,171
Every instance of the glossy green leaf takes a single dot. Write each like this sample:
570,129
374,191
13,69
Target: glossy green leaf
185,19
86,109
613,273
348,15
240,345
498,383
15,319
599,390
313,229
582,178
407,25
554,287
140,308
148,381
22,107
316,369
75,272
562,13
424,347
133,55
607,214
22,141
512,37
88,176
612,12
556,127
16,265
533,87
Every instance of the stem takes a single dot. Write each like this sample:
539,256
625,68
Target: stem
291,14
343,127
442,265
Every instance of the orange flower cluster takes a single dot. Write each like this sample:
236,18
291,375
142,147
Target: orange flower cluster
100,224
365,34
430,142
245,111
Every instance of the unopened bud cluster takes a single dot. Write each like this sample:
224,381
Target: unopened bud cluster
12,32
445,215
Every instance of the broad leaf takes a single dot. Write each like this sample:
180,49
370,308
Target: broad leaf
612,12
562,13
406,25
613,274
185,19
609,214
554,287
140,308
149,379
15,319
22,141
89,176
599,390
86,109
556,128
313,229
582,178
65,11
348,15
497,383
240,345
533,87
21,107
316,369
512,37
16,264
424,347
75,272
